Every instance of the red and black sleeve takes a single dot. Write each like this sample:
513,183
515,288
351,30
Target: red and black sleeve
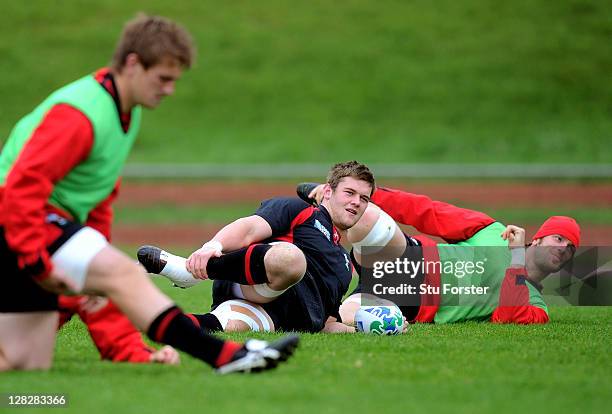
434,218
514,305
63,139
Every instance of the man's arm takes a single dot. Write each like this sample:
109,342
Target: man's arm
519,302
62,140
241,233
434,218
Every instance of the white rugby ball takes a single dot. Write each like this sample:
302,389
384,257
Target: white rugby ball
379,320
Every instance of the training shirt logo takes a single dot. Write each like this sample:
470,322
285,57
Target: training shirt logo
322,229
347,262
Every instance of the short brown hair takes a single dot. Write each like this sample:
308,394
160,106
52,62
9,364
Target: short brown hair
154,38
350,169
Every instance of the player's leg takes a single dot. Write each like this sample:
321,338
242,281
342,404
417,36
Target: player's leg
28,317
237,315
27,340
264,271
349,308
351,305
103,270
377,238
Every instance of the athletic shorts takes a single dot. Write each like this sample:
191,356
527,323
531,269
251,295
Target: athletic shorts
301,308
19,292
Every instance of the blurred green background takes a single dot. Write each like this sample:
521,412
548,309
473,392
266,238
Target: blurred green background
320,81
414,81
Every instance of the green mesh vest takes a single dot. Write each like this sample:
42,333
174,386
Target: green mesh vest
492,256
91,181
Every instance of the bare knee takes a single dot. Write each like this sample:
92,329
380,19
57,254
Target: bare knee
5,364
349,308
234,325
35,364
27,340
24,365
26,358
285,265
238,315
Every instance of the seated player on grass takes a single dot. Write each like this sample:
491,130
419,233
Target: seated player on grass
281,268
514,277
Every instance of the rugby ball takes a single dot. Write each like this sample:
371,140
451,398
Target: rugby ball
379,320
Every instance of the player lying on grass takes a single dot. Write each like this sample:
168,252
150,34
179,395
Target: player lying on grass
514,279
59,175
281,268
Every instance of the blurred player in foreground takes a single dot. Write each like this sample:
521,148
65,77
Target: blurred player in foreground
59,174
514,277
281,268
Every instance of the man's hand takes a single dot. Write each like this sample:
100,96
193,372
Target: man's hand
92,304
317,193
198,260
332,325
515,236
405,325
166,355
59,282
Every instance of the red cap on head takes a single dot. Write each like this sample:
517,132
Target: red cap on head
561,225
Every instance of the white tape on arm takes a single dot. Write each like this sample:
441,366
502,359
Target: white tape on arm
518,256
379,236
213,245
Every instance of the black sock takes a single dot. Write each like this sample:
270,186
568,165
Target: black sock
244,266
175,328
208,322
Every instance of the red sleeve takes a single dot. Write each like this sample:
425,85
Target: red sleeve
101,217
62,140
111,331
514,305
434,218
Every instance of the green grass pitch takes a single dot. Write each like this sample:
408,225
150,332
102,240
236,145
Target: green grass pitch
560,367
398,81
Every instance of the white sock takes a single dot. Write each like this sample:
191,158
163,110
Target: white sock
176,271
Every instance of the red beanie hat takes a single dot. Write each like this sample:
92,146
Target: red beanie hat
561,225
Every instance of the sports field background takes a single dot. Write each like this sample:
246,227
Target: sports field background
394,81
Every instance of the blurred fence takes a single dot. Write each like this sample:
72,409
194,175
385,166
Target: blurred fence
276,171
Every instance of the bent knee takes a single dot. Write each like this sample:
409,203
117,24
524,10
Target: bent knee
25,362
288,260
238,315
235,325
